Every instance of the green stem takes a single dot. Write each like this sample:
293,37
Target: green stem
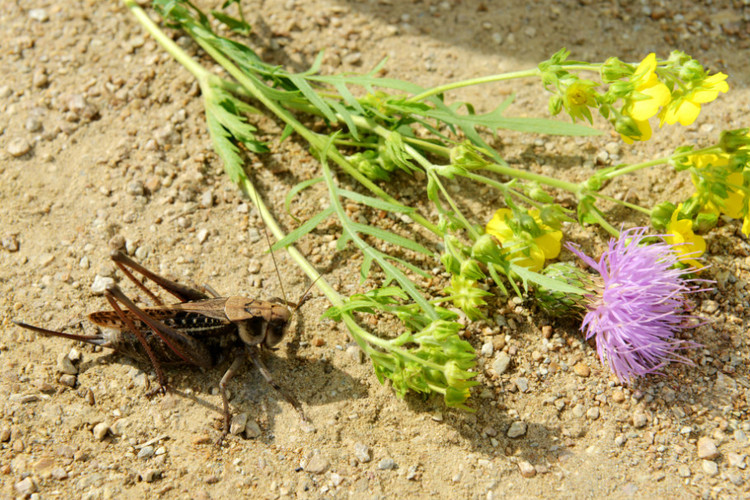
628,169
473,81
624,203
530,176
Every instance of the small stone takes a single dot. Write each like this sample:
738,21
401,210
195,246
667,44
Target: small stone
707,448
683,470
336,479
578,410
593,413
65,365
9,243
84,263
33,124
582,370
101,284
151,475
516,429
362,453
18,147
59,473
202,235
207,199
74,355
710,468
487,349
25,487
740,436
141,252
621,440
411,473
618,396
735,477
253,266
239,423
500,365
68,380
317,464
100,431
135,188
736,460
387,464
146,452
522,383
39,15
527,470
5,434
639,420
355,353
252,430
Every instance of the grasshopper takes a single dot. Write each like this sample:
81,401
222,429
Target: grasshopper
193,331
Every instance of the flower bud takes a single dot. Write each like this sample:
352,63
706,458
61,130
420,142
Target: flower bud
661,215
733,140
613,69
691,71
451,264
486,249
704,222
626,126
555,105
471,269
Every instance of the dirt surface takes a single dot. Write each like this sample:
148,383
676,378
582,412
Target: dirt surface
103,143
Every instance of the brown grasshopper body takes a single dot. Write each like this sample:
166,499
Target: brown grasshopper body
198,330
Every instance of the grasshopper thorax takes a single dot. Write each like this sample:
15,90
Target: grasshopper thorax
258,321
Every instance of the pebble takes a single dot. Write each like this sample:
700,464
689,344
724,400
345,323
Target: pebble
5,434
487,349
59,473
582,370
639,420
578,410
238,424
202,235
500,365
146,452
39,15
40,79
684,471
18,147
736,460
516,429
522,383
68,380
135,188
618,396
707,448
252,430
527,470
10,243
593,413
65,365
710,468
735,477
621,440
151,475
253,267
387,464
362,453
207,199
25,487
142,252
317,464
33,124
100,284
355,353
100,431
411,473
740,436
336,479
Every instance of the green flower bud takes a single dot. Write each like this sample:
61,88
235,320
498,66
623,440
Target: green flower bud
471,269
733,140
560,304
626,126
594,183
704,222
536,193
467,157
486,249
661,215
613,69
555,105
450,263
467,296
691,71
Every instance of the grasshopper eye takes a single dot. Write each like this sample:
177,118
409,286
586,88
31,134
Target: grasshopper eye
275,332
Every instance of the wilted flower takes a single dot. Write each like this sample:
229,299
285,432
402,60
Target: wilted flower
637,305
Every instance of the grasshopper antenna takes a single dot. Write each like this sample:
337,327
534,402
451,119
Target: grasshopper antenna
273,257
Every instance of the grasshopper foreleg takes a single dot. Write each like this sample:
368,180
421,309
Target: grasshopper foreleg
254,353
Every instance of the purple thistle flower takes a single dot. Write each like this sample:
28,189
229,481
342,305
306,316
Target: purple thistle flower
637,305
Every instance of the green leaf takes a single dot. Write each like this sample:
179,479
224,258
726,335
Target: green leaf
390,237
236,25
301,186
375,203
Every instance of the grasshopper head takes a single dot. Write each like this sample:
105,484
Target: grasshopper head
259,322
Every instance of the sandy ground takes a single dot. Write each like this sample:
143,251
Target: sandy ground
103,142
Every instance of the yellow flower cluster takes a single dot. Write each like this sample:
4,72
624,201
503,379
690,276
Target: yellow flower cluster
736,204
525,249
688,245
651,97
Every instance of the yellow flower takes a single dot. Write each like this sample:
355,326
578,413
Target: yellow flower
685,108
649,94
687,244
734,203
524,249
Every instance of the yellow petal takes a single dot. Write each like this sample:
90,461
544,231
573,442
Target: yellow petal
549,244
643,109
685,112
498,226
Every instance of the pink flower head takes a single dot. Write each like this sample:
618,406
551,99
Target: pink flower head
638,304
